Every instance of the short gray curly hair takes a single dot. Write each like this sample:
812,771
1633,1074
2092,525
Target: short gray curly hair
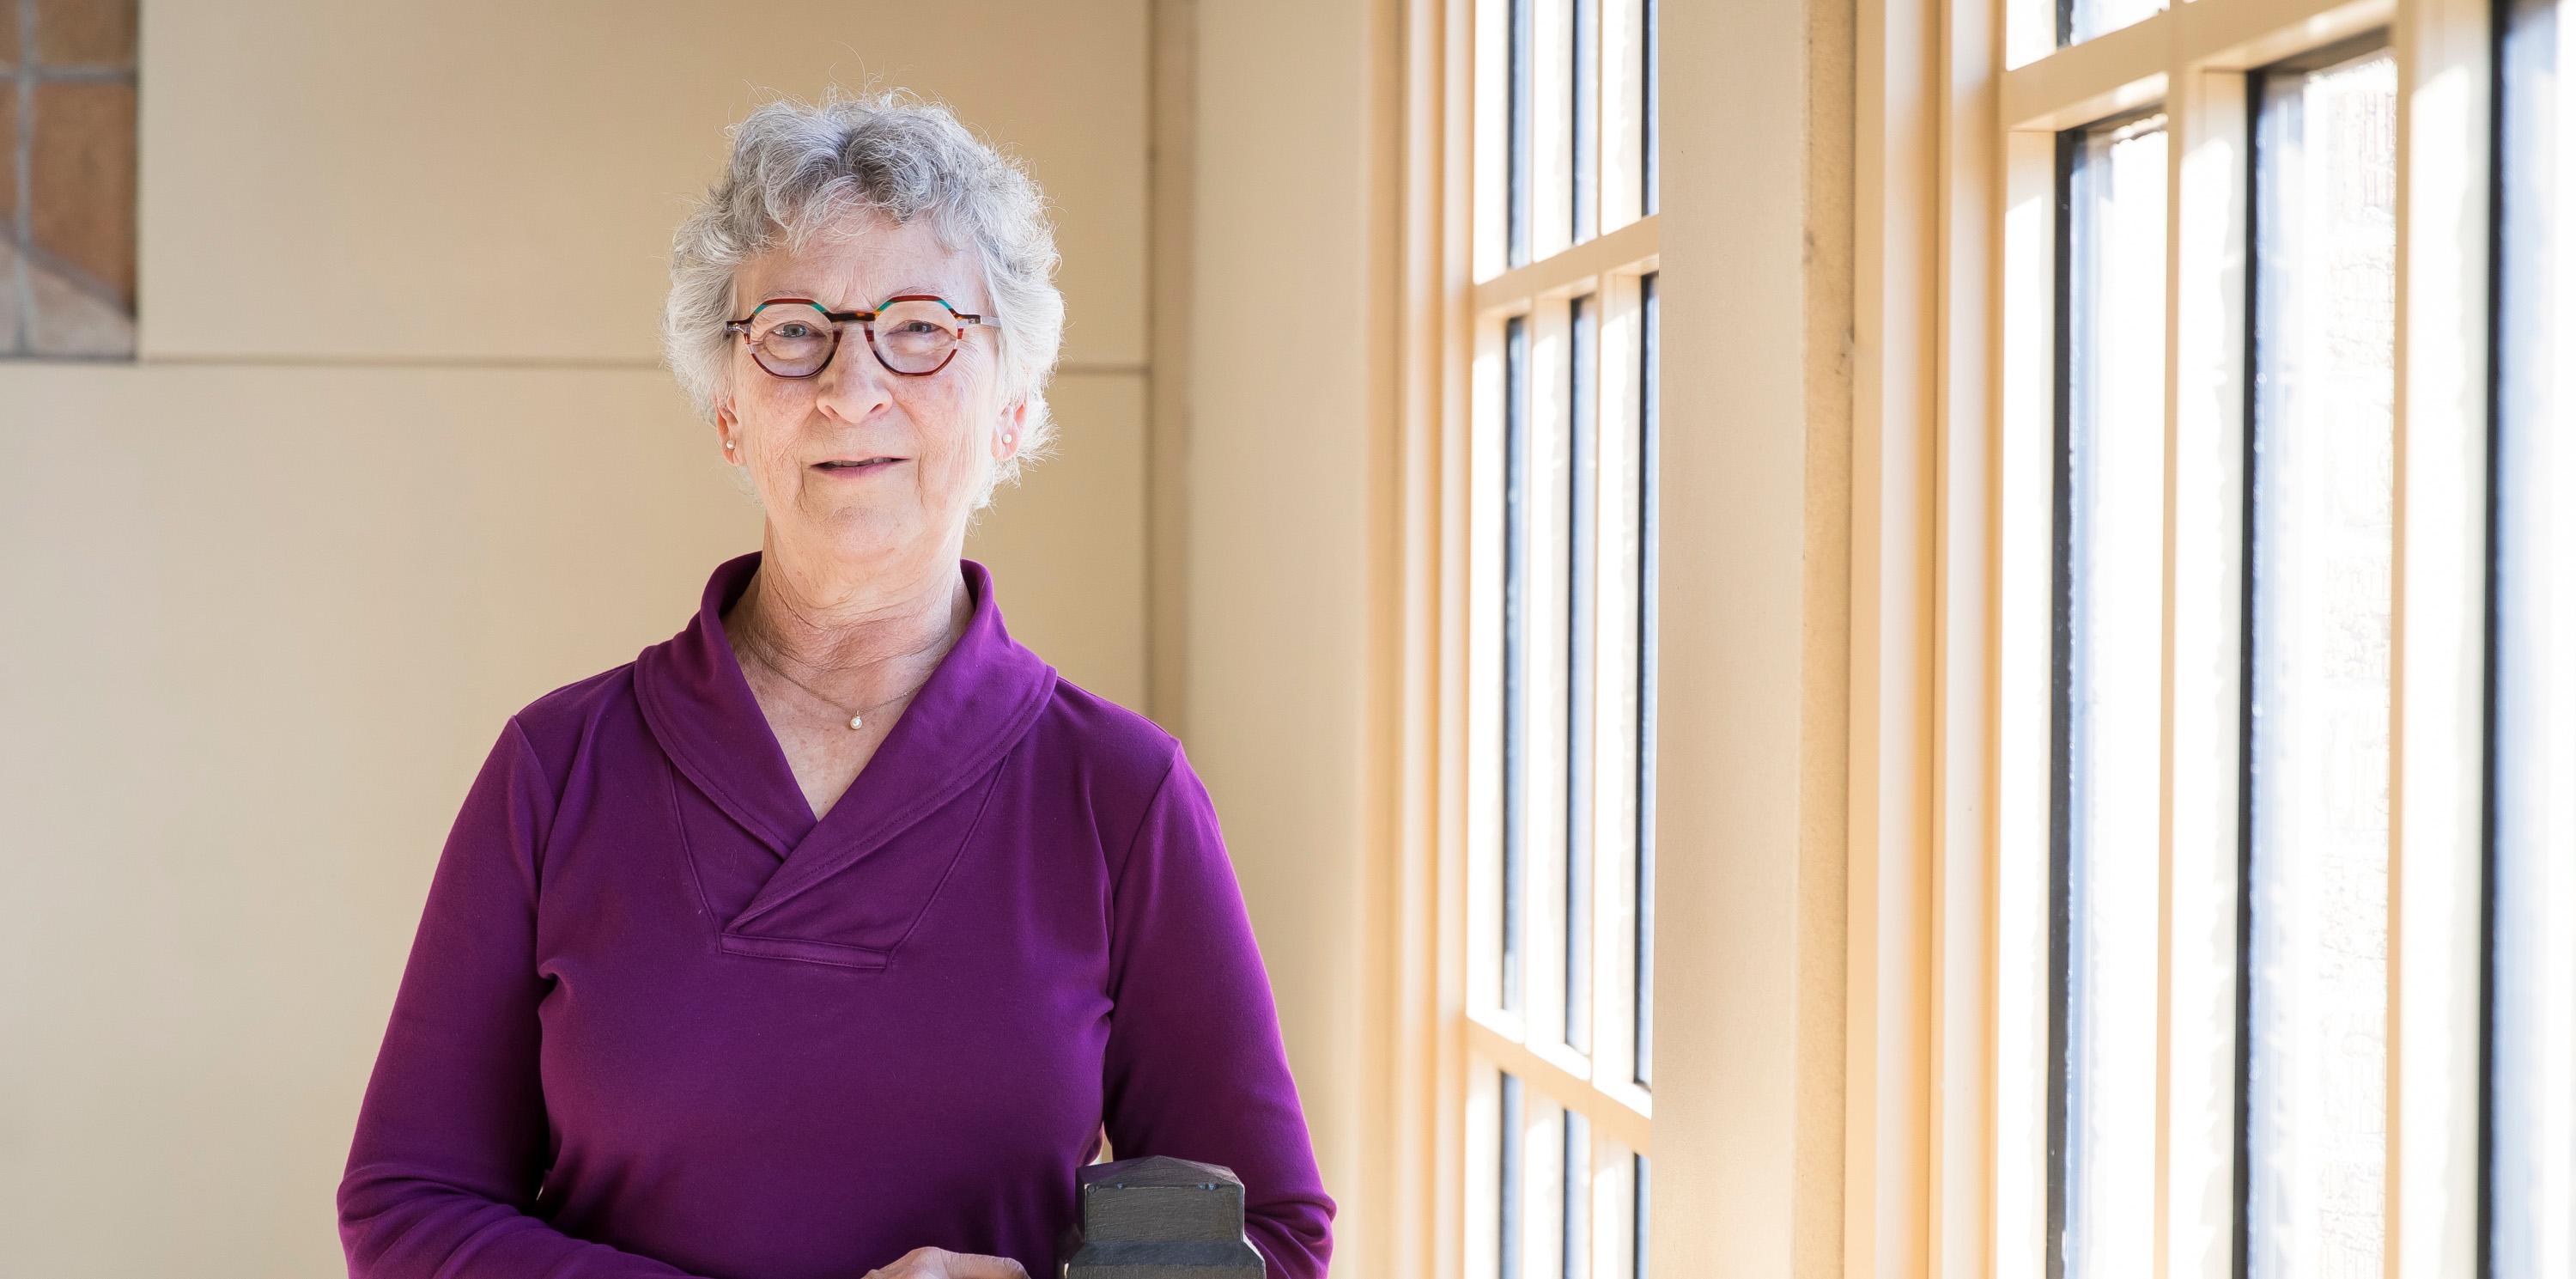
798,169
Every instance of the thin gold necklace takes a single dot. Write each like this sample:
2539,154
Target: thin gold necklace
856,721
856,718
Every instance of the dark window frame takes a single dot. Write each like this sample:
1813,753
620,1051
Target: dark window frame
1519,126
1515,624
1583,347
1649,400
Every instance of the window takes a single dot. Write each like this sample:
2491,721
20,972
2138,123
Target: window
2529,1114
2110,539
2316,751
2308,830
2226,810
1561,661
2197,970
67,94
2081,20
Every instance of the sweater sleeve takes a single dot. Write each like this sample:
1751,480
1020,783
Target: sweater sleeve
452,1136
1196,1068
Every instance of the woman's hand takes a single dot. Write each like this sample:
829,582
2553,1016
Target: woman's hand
940,1263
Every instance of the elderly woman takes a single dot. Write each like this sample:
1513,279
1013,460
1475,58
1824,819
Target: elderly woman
828,937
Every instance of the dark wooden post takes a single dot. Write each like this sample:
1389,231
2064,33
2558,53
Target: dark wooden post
1156,1217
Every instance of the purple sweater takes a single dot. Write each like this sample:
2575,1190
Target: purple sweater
657,1020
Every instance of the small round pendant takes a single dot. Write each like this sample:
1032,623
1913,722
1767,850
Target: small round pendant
854,721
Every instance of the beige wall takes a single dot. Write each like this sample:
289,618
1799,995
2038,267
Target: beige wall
433,165
1755,706
271,589
1290,433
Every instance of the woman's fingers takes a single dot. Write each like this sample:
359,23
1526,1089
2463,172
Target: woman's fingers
940,1263
975,1265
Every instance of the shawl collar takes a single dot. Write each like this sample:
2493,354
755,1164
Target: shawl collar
980,700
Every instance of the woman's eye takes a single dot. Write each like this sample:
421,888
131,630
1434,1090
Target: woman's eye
793,330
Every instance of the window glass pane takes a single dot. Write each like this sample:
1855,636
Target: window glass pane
2110,530
1518,130
1647,150
1508,1188
2316,976
1638,1210
1516,566
1585,81
1644,1019
2531,1097
2080,20
1583,319
1575,1258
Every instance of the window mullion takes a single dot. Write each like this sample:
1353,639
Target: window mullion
1611,1114
2205,534
2436,781
2179,84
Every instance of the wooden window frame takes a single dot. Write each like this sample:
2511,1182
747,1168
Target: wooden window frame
1937,1165
1947,1168
1457,277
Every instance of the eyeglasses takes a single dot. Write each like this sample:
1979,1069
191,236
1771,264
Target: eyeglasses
915,334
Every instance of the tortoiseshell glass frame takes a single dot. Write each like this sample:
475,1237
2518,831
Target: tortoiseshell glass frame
866,320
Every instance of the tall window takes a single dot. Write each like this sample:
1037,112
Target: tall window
2294,928
2529,1120
2316,757
2214,1027
2110,540
1561,640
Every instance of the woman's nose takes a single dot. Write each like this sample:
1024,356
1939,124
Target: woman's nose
854,383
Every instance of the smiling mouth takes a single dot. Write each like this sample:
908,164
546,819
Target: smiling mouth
857,464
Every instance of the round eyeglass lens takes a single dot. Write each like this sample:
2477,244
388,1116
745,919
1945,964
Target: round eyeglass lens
792,339
915,336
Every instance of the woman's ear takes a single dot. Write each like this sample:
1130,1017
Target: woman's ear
1007,440
728,431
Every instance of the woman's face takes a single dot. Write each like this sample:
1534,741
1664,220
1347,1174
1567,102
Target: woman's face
943,431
